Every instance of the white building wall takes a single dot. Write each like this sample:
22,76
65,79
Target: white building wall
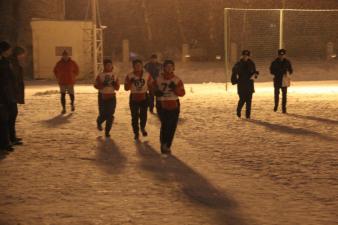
49,34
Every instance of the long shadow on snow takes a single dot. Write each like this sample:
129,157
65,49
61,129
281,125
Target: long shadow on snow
57,120
314,118
291,130
109,156
196,187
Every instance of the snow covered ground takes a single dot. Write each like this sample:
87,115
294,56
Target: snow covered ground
274,169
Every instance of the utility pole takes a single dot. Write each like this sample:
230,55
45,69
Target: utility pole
94,21
97,40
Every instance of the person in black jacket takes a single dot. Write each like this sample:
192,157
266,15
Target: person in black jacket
279,68
17,59
243,74
153,67
18,55
7,96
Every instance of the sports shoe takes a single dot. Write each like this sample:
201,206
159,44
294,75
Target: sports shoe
8,148
238,114
165,149
144,133
72,108
275,109
99,127
136,137
16,142
18,139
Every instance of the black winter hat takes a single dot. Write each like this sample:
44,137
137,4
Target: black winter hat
4,46
246,52
168,61
106,61
153,56
135,61
281,51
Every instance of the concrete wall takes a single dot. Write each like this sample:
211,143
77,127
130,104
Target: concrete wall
49,34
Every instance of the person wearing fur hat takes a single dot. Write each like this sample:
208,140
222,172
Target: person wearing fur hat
168,88
281,68
243,74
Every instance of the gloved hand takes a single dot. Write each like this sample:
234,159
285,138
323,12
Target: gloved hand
158,93
172,86
106,83
132,80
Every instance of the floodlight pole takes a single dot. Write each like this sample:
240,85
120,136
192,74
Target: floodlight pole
226,46
93,4
281,29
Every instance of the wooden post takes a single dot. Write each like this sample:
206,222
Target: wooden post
185,52
125,51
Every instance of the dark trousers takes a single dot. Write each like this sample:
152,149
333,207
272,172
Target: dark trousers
12,115
106,112
151,102
284,97
169,120
4,127
63,99
138,114
244,98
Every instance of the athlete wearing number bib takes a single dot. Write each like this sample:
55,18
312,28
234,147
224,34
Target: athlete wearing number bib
138,83
168,88
107,84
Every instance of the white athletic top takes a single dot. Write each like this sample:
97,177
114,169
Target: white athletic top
107,77
163,86
140,84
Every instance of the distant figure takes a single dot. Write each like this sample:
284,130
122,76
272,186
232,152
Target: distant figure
17,59
138,83
154,68
66,71
7,97
280,68
107,84
243,74
168,88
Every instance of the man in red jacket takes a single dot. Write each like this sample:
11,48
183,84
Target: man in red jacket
168,88
65,72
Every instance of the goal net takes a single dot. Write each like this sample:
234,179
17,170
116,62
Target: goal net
309,36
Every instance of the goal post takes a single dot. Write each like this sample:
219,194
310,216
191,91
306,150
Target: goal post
309,36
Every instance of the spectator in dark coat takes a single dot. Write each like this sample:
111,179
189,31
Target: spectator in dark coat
243,74
17,60
280,68
153,67
7,96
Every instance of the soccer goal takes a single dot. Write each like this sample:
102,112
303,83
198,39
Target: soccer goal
309,36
